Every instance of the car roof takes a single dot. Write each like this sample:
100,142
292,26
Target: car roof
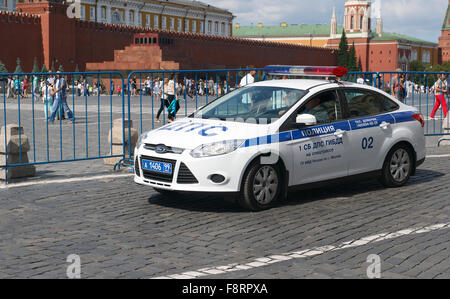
303,84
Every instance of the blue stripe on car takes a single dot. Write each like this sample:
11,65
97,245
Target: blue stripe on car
350,125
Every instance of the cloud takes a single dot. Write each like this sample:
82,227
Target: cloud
418,18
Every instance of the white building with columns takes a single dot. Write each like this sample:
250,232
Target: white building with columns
174,15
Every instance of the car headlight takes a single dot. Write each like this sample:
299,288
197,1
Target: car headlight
141,139
216,148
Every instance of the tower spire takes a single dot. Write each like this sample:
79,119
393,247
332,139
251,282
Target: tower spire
334,23
380,22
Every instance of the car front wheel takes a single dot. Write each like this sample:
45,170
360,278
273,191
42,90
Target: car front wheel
261,188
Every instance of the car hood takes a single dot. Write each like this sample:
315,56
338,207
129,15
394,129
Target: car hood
189,133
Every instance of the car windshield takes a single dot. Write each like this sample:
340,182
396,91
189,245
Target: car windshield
257,104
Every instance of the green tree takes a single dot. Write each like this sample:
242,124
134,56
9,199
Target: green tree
352,61
35,66
18,67
417,66
360,64
3,69
61,69
44,69
342,54
77,70
53,67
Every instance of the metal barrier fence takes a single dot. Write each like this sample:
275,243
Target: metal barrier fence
416,89
147,104
28,102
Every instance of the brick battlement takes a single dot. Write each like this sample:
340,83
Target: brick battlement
106,27
17,17
188,35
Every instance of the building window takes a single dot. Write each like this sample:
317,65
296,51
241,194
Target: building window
223,29
352,20
103,13
202,27
172,24
148,21
209,27
2,3
140,19
179,27
116,17
186,25
92,13
216,27
194,26
426,57
156,22
131,17
164,23
361,21
414,55
83,12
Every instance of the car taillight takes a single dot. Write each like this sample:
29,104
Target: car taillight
419,118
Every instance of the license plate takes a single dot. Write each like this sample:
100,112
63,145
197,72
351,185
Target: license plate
159,167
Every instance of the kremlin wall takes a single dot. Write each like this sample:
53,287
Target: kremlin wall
43,30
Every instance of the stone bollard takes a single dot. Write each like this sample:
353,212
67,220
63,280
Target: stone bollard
116,138
445,141
17,148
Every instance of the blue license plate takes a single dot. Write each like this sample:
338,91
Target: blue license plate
159,167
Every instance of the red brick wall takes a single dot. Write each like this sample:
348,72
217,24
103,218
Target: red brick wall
96,42
70,42
196,52
383,57
375,57
21,37
444,46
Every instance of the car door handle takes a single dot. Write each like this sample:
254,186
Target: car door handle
340,133
384,125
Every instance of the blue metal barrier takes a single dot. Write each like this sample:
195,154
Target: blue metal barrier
418,89
145,95
366,78
50,143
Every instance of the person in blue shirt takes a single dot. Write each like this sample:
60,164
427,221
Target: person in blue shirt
60,99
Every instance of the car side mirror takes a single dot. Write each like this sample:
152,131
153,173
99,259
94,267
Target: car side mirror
306,120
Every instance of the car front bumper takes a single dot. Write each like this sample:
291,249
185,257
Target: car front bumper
193,174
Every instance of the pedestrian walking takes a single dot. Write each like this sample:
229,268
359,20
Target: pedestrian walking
46,91
164,98
60,99
440,89
398,88
9,88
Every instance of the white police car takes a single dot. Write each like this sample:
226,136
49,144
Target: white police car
268,138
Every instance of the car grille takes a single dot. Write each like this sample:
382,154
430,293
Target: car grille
169,149
185,176
137,170
161,177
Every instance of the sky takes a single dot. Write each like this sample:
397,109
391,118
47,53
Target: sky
417,18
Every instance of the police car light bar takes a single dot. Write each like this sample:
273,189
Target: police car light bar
314,71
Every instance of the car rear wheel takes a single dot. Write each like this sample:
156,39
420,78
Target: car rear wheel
398,167
261,188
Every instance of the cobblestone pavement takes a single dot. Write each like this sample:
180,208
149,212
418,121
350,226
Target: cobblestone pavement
122,230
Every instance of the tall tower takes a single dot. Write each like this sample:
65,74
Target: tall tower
444,40
357,17
334,23
380,23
